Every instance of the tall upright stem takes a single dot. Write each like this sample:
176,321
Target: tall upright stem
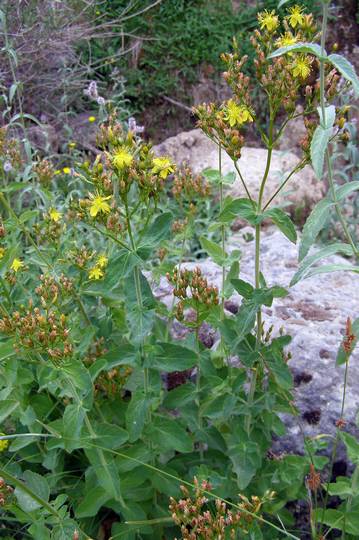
223,234
254,374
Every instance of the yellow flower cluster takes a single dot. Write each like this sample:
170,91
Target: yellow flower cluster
99,204
301,66
4,443
122,158
97,271
268,20
55,215
296,17
16,265
163,167
236,114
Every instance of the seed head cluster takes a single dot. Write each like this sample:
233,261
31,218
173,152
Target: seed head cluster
192,290
38,330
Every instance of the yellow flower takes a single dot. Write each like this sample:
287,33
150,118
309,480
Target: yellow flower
2,252
4,443
58,171
286,40
91,119
102,261
301,66
237,114
268,20
72,145
16,265
296,16
66,170
96,273
122,159
99,204
162,166
55,215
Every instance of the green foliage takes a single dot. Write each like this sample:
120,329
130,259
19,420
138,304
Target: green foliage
95,420
169,61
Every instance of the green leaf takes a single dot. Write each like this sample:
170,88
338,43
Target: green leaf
346,189
336,519
346,69
38,485
171,357
329,116
304,268
233,208
314,225
7,407
229,178
136,415
310,48
168,434
342,355
352,446
73,420
327,268
212,175
123,355
79,375
158,231
214,251
318,148
231,274
282,2
180,396
246,458
244,288
91,503
341,487
283,222
140,312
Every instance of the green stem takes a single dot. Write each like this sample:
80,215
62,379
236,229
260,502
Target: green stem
254,372
198,394
336,442
298,167
223,232
243,183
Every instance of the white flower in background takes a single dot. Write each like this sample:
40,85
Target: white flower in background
7,166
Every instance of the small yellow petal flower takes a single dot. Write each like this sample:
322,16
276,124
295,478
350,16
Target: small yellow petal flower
301,66
4,443
99,204
268,20
162,166
96,273
66,170
102,261
2,252
91,119
16,265
72,145
122,158
296,17
55,215
286,40
237,114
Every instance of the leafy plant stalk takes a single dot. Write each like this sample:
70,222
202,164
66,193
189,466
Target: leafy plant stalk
338,210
